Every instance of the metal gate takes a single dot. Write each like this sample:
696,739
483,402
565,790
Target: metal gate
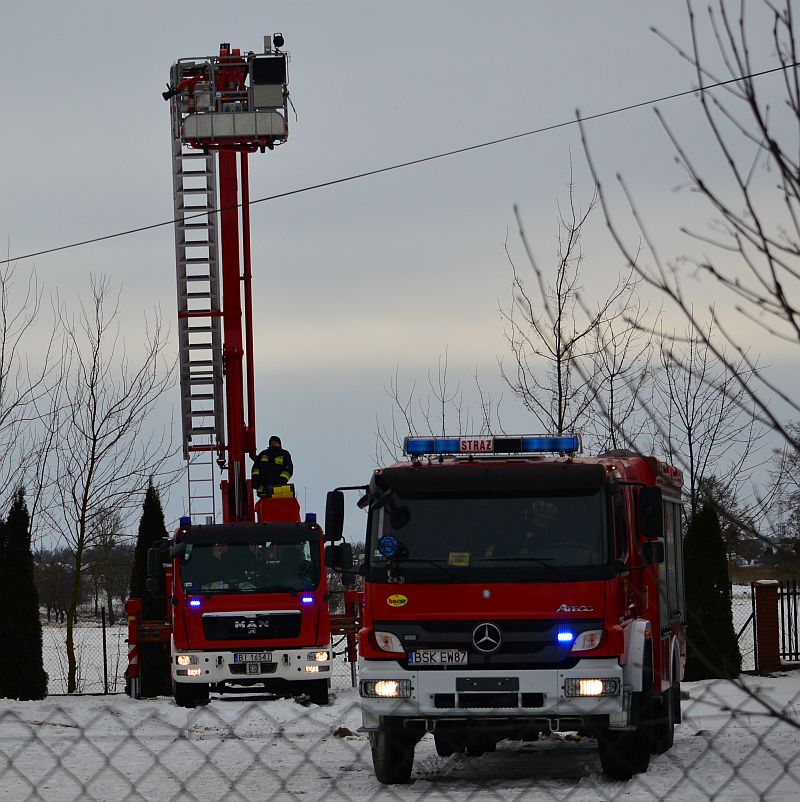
788,603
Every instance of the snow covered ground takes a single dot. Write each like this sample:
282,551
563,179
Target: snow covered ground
730,747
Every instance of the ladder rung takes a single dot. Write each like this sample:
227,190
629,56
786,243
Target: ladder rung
201,430
197,225
202,413
202,397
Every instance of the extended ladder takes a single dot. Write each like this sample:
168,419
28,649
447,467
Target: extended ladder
199,322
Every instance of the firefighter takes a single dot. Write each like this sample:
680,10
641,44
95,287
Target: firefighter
273,468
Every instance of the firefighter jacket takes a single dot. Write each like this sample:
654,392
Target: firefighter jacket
273,466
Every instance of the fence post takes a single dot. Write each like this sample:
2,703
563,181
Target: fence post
105,651
768,657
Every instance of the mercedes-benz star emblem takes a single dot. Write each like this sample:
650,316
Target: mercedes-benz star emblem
487,638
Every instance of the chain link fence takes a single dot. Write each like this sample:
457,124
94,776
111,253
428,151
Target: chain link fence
737,742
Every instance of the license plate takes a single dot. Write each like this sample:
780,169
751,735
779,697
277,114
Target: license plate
437,657
252,657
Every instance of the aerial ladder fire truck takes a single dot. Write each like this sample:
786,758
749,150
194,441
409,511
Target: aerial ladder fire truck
247,598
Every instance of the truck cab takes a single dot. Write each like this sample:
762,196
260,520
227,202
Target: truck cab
512,588
249,610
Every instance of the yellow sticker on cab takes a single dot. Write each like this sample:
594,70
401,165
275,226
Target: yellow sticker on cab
396,600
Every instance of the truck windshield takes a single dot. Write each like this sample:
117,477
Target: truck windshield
552,538
261,567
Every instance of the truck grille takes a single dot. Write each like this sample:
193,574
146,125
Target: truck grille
524,644
251,627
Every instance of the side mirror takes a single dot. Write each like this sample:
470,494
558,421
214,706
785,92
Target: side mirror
653,552
155,575
650,515
340,558
334,515
348,575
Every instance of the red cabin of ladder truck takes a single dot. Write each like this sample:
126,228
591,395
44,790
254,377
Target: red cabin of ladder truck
248,598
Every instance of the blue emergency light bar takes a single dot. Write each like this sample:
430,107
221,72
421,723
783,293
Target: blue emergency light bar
480,444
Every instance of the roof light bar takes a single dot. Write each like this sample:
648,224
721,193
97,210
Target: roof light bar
516,444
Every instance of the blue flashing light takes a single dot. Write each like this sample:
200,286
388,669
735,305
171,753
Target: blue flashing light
542,444
185,520
489,444
565,636
311,517
194,602
307,599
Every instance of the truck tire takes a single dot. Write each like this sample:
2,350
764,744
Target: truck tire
623,754
663,725
392,755
189,694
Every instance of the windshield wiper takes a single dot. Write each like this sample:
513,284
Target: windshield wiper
547,562
434,563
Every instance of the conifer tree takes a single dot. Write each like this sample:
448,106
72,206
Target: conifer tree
22,674
712,649
153,657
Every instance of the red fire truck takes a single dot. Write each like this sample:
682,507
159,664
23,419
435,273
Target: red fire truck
512,588
247,598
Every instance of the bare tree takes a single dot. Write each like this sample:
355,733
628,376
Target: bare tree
704,422
751,251
566,353
106,450
26,383
444,411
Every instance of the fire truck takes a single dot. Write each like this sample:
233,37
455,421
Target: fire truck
513,588
247,598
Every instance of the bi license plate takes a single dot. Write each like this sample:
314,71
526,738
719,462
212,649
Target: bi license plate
437,657
252,657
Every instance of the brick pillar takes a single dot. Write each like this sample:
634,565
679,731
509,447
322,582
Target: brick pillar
767,631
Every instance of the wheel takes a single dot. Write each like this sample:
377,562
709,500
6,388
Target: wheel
447,745
663,724
623,754
189,694
392,756
317,690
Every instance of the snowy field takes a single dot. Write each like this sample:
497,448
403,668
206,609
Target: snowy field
730,747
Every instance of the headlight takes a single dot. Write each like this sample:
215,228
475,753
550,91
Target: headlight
194,672
386,688
318,657
587,640
186,659
312,669
591,687
388,642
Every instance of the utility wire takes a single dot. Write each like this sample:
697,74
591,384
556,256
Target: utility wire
399,166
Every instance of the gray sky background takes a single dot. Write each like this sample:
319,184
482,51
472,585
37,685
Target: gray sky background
356,281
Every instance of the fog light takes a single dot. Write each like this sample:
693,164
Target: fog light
591,687
319,657
312,669
386,688
186,659
194,672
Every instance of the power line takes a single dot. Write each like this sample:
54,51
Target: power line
422,160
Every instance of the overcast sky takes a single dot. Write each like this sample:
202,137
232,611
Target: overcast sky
354,282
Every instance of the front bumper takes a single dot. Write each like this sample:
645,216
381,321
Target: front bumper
288,665
437,695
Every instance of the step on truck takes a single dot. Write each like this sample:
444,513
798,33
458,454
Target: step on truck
513,589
